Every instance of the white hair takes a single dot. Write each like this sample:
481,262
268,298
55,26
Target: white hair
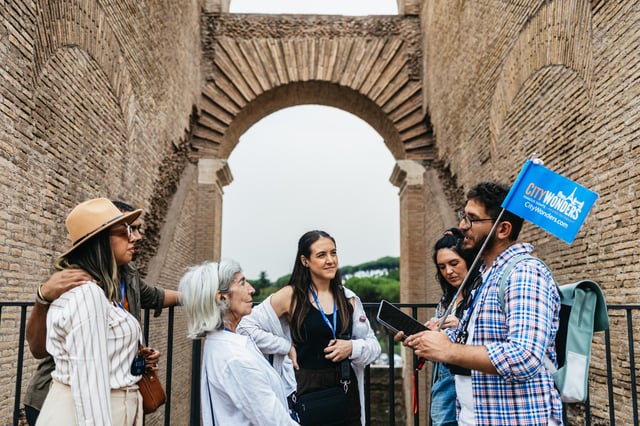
198,288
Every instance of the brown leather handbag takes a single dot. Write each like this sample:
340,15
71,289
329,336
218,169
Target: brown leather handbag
153,394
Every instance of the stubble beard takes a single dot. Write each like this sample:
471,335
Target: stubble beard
491,240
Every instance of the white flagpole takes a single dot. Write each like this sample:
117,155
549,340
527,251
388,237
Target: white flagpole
533,157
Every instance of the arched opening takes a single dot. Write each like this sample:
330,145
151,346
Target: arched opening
309,167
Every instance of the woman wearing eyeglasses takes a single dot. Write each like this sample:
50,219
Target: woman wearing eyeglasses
452,264
91,336
238,386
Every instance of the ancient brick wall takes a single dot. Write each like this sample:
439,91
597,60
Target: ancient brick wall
110,98
95,100
505,79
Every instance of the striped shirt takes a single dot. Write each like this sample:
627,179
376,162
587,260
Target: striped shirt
523,392
93,342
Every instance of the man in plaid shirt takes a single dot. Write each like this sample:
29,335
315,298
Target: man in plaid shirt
503,380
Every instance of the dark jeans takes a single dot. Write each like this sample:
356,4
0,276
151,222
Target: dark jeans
31,414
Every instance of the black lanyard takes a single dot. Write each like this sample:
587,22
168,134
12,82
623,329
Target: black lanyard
461,332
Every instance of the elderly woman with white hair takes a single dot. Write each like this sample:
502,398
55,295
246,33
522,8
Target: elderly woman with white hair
238,386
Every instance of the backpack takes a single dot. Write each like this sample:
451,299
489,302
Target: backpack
582,312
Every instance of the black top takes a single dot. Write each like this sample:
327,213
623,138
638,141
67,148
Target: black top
316,334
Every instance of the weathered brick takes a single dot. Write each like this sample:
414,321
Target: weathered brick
112,99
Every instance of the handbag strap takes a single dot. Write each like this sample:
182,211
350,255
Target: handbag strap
345,374
206,377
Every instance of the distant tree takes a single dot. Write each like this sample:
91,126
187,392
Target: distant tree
385,265
260,284
264,293
374,289
282,281
394,274
380,280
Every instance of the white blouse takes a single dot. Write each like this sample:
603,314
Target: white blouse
238,386
93,342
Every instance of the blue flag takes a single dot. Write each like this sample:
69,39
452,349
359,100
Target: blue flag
550,201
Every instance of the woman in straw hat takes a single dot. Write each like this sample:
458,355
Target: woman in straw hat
92,338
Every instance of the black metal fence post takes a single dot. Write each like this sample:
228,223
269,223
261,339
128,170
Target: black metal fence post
196,351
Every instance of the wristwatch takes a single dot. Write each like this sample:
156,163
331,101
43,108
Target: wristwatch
39,298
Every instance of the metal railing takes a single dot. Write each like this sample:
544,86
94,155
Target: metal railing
619,311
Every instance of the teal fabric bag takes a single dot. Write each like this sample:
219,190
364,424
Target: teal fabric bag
583,311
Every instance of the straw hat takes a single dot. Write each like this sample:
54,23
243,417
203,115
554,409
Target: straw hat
92,216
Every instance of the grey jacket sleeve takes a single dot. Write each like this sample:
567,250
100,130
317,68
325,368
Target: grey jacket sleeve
366,348
151,298
266,330
271,335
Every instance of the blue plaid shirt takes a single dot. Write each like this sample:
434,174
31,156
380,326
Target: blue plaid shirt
516,340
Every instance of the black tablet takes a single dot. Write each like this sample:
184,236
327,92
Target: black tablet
396,320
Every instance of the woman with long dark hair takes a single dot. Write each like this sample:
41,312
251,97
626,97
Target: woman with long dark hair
91,336
322,328
452,263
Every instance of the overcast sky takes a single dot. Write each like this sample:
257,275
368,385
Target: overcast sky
309,167
319,7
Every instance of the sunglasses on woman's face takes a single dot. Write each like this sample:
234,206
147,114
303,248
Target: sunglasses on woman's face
129,231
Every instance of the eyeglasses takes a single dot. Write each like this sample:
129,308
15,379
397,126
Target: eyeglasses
468,221
130,231
133,229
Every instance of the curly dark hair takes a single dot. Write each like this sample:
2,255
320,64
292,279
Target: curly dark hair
491,195
452,240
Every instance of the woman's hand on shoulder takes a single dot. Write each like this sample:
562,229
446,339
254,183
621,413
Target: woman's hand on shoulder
281,300
62,281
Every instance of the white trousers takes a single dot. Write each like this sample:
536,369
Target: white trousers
59,408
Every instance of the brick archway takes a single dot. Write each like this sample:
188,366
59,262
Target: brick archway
254,65
369,66
74,24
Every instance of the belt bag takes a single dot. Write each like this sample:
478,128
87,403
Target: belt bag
326,406
322,407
